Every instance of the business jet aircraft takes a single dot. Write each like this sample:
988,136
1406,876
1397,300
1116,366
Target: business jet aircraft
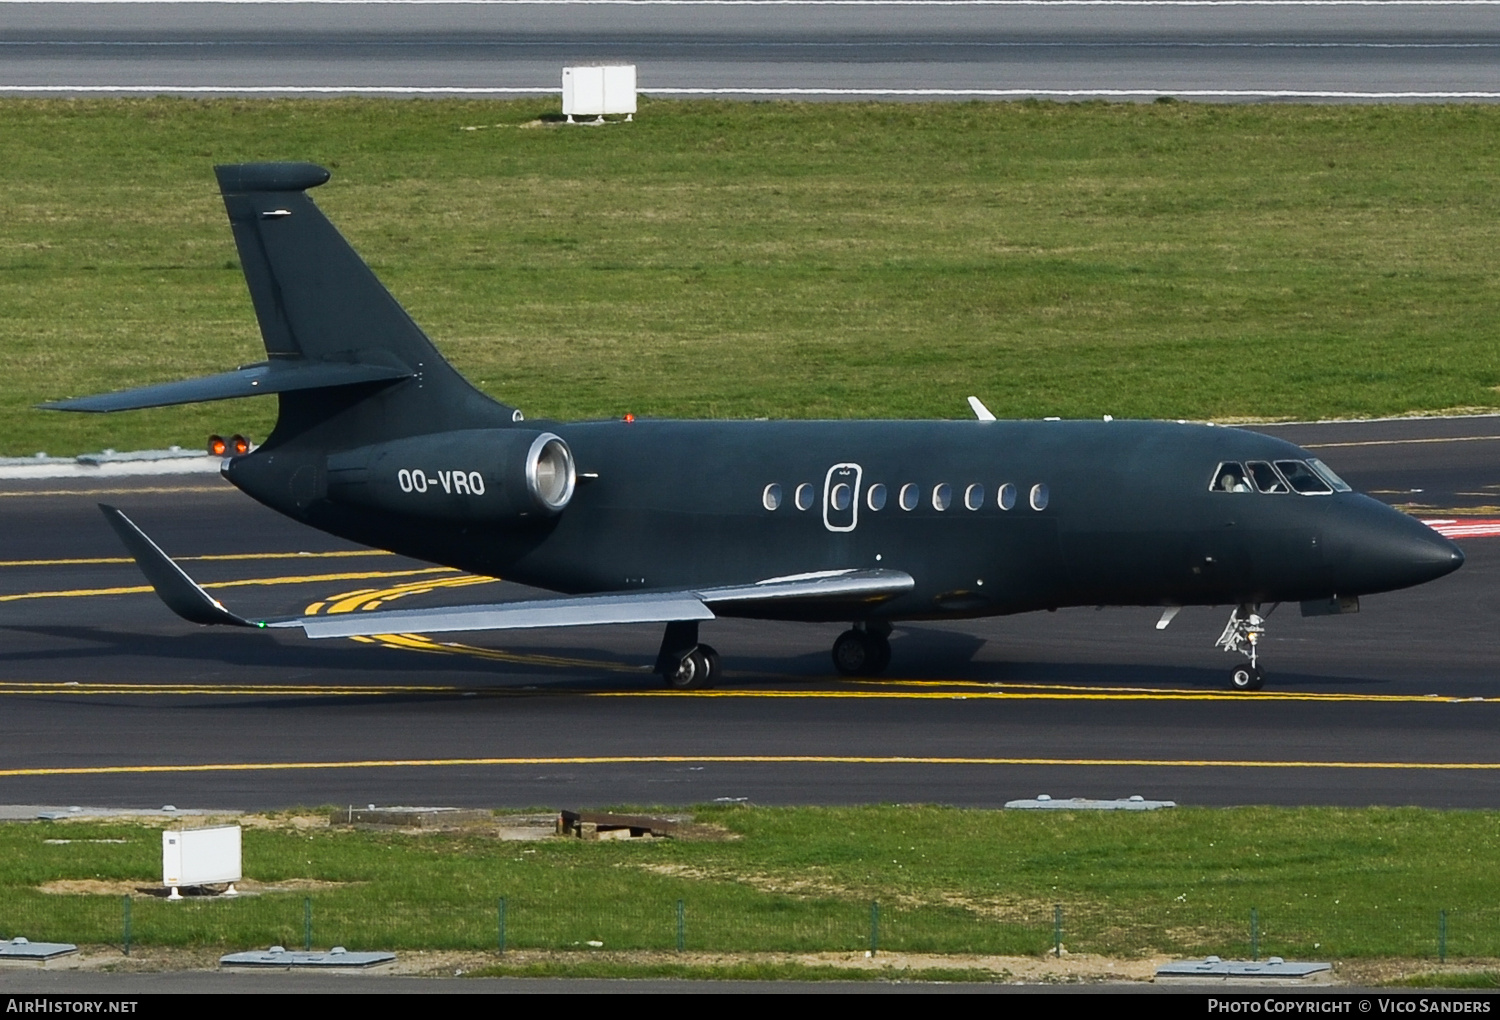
379,440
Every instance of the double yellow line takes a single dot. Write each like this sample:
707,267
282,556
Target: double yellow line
746,759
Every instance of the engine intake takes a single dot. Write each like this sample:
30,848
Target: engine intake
474,475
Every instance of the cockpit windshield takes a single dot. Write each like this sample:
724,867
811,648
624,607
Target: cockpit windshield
1311,477
1326,473
1231,478
1303,478
1266,478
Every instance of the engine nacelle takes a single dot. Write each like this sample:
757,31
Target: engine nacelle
473,475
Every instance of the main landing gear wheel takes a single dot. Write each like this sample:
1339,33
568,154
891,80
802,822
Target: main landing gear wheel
861,653
1246,678
697,670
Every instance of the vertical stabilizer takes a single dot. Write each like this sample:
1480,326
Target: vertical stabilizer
317,301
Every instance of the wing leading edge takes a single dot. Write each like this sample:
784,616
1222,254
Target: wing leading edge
188,600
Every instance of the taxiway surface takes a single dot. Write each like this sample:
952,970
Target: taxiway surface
1330,50
108,699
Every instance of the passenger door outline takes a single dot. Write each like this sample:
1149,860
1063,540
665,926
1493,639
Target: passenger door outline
846,519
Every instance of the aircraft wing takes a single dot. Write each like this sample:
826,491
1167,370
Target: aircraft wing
840,587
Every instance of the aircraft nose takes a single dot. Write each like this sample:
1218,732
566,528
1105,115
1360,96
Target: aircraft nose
1396,552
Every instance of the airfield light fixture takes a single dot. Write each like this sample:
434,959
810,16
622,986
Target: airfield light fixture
239,444
217,446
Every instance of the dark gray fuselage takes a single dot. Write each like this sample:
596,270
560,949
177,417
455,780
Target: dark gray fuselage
1129,519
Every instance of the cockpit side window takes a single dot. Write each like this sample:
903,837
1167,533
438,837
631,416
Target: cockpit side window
1230,478
1303,479
1326,473
1266,478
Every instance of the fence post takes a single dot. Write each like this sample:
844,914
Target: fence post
1254,934
681,925
874,927
126,922
500,925
307,923
1057,930
1442,936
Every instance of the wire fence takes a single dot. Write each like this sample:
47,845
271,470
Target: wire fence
772,923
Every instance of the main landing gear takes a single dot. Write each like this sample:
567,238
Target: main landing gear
1242,634
864,650
685,664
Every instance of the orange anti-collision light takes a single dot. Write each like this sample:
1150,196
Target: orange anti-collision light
217,446
239,444
629,418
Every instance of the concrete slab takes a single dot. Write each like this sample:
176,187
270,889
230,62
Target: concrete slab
1042,802
1274,971
337,958
23,952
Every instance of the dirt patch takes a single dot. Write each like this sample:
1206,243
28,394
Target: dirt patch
109,887
1014,910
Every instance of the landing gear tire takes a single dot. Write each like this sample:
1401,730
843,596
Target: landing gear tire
1246,678
715,667
695,671
860,653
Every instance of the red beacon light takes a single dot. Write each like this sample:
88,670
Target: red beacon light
629,418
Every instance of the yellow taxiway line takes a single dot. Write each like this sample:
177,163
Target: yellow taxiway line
1398,442
122,491
996,692
741,759
226,557
244,583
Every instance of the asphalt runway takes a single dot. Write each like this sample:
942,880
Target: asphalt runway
1331,51
106,698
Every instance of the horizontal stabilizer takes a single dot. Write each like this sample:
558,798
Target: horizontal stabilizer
252,380
181,593
591,610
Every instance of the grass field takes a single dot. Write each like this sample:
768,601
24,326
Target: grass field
774,259
1324,882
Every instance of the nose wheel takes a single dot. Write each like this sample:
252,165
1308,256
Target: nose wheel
1242,634
862,651
1246,678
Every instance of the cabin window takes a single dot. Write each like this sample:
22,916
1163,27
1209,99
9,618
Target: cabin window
1230,478
804,495
841,496
1265,477
942,496
911,495
1039,496
1303,479
1326,473
875,497
771,498
974,497
1006,497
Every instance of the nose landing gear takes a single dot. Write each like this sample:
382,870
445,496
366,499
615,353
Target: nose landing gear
1242,634
864,650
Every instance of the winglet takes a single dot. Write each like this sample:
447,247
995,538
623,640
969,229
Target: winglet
980,411
180,592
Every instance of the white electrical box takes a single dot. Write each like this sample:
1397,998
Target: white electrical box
200,857
599,90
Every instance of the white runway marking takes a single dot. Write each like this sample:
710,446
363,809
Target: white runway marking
803,3
454,90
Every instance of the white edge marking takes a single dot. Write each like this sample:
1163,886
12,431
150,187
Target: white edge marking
980,411
455,90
